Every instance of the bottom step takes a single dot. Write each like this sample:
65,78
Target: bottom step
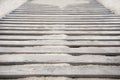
59,78
83,71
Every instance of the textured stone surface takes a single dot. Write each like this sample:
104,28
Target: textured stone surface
44,70
59,78
76,44
42,40
58,58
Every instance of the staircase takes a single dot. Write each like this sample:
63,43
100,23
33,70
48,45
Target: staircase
46,42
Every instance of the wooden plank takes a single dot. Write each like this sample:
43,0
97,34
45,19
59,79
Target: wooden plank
58,37
61,42
70,71
60,32
58,58
61,50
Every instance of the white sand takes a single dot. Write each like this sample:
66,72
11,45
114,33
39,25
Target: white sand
113,5
6,6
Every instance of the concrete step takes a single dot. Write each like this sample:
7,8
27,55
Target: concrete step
59,23
60,28
18,59
61,13
59,78
70,71
59,20
11,32
67,11
109,15
45,26
59,37
109,51
78,10
60,16
75,44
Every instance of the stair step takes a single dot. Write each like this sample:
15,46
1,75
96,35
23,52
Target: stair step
60,28
60,20
109,15
61,50
58,37
66,23
3,32
61,43
58,59
69,71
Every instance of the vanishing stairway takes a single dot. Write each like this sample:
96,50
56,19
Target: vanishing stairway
78,41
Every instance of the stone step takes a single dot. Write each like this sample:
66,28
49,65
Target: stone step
38,12
75,44
52,13
59,78
60,19
59,37
11,32
58,59
81,10
108,15
61,50
54,7
69,23
57,28
45,6
75,10
67,9
93,71
56,17
14,18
